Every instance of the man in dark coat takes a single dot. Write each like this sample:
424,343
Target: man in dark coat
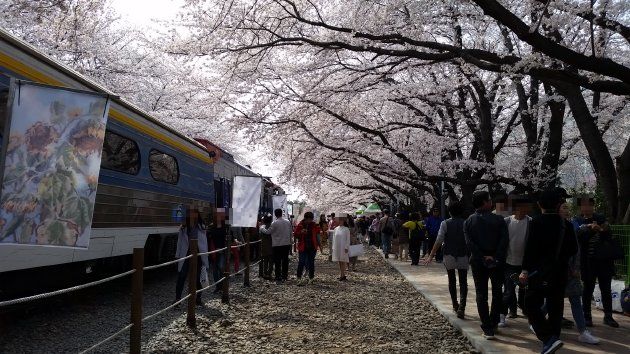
487,238
550,244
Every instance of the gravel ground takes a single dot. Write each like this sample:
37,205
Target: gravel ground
376,310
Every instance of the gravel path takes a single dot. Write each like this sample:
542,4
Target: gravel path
375,311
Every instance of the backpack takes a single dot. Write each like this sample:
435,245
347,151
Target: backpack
387,229
417,234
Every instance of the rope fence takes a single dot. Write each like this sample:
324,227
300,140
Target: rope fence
123,330
135,327
63,291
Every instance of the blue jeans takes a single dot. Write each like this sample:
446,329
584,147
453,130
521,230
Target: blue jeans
386,243
576,310
306,258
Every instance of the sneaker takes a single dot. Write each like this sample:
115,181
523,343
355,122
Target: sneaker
460,313
588,338
608,320
502,321
513,314
488,334
552,345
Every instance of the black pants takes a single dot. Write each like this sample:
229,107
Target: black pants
266,268
603,273
551,294
463,287
182,275
481,275
281,261
510,300
414,251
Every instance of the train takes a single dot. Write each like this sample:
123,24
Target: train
149,172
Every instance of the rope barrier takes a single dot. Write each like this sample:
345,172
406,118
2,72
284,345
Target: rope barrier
239,246
251,265
63,291
212,252
107,339
167,308
211,285
251,243
166,263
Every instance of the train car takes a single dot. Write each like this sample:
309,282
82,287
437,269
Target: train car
148,173
226,167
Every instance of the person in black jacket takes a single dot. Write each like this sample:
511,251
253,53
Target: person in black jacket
550,244
592,231
487,239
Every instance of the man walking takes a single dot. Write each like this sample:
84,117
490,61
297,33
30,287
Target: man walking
280,231
487,239
307,232
518,229
550,244
387,230
433,227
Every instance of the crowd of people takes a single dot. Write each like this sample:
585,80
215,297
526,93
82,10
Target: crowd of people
531,262
532,252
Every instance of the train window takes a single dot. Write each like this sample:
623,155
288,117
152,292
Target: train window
163,167
120,154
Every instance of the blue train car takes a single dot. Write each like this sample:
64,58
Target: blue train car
149,173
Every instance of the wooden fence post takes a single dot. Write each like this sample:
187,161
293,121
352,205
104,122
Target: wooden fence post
135,334
247,260
225,298
192,284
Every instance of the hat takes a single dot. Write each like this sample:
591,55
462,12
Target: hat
562,193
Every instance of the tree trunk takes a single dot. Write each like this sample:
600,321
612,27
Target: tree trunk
598,152
623,177
467,192
551,158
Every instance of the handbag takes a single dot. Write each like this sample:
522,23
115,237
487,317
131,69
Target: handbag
356,250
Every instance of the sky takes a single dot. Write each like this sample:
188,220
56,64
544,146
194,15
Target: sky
143,12
146,13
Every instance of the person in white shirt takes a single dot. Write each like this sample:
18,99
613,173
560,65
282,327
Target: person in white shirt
518,229
281,232
341,246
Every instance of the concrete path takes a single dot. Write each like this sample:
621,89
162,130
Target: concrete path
432,282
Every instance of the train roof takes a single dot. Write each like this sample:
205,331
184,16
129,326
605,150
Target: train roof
89,83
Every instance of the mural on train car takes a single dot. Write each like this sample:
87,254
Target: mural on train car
51,165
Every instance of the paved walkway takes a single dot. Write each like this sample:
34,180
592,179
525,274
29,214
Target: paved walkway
432,282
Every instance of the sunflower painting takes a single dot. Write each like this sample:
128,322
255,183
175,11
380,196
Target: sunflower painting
51,165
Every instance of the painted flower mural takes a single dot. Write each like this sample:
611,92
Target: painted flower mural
51,166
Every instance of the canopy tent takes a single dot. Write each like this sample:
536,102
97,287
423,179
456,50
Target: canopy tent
360,210
372,209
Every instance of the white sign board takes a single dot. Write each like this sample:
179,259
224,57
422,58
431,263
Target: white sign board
279,202
52,155
245,201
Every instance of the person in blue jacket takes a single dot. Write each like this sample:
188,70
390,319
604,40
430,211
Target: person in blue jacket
432,224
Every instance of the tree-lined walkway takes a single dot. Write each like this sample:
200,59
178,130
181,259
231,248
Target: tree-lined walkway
516,338
376,310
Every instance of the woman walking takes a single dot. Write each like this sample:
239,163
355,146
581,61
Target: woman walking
354,240
341,246
267,255
192,229
451,239
307,234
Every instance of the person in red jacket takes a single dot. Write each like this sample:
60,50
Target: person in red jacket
307,235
